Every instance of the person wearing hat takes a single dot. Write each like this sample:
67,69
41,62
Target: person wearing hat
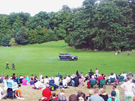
46,93
113,98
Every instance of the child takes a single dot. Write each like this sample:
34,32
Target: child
54,96
96,72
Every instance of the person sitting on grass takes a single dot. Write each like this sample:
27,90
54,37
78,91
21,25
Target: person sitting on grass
80,81
109,78
31,81
62,96
2,95
46,94
24,82
46,80
54,96
19,93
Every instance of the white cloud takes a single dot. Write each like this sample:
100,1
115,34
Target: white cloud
35,6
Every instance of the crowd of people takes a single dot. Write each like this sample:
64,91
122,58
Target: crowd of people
48,84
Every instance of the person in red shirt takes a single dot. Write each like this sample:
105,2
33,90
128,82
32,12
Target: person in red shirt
102,77
46,93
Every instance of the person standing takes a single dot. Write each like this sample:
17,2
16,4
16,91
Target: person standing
7,67
96,72
128,87
91,73
116,90
13,66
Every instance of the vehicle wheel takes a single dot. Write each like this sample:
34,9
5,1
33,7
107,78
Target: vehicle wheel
75,59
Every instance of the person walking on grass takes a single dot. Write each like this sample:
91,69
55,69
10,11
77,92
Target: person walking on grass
13,66
7,67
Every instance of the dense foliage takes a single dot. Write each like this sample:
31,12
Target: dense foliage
108,25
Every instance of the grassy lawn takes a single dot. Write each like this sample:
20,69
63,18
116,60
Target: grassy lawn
43,58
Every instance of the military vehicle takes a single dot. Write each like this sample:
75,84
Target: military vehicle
67,57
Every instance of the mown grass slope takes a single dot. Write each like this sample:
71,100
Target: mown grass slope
43,58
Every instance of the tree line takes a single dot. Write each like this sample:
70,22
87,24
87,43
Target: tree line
108,25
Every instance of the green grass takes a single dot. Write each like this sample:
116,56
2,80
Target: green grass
43,58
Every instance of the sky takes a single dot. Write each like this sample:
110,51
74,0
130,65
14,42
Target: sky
35,6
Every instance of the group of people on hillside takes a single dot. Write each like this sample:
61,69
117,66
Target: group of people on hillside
75,80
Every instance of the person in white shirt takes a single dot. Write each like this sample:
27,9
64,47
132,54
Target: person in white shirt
109,78
56,79
125,76
128,87
46,80
2,95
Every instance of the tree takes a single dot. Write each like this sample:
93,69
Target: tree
12,42
22,36
32,36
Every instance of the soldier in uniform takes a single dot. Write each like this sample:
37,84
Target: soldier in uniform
13,66
7,67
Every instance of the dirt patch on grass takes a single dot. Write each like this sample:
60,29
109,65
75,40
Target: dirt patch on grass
34,95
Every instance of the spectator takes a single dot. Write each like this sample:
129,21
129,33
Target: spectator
31,81
130,74
128,87
65,82
125,75
62,96
90,94
73,97
40,76
56,79
100,78
42,80
96,96
54,96
81,97
113,98
46,80
24,81
80,81
91,73
18,91
78,92
116,90
2,95
46,93
5,83
103,94
109,78
96,72
75,81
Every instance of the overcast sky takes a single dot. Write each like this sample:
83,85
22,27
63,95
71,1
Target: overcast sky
35,6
